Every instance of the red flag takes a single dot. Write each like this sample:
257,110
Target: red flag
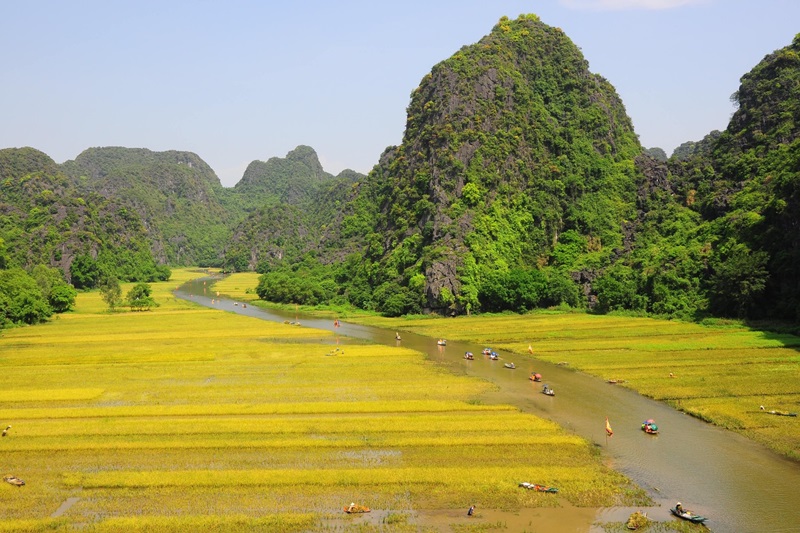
609,431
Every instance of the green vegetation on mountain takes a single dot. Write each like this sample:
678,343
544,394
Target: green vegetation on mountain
519,183
717,232
292,180
513,180
52,234
177,195
294,205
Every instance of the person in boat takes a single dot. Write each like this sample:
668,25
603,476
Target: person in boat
679,508
352,507
396,336
471,510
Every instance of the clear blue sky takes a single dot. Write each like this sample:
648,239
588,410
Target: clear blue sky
239,80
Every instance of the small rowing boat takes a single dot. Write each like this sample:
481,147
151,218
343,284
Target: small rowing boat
355,509
537,487
688,515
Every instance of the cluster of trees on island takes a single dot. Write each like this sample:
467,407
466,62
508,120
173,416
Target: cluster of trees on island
520,183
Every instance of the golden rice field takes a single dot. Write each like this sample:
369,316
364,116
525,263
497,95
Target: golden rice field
722,374
185,418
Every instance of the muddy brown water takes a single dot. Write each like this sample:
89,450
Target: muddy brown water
739,484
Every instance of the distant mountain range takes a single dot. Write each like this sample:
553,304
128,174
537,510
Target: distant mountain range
519,183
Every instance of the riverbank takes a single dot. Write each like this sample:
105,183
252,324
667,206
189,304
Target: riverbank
721,374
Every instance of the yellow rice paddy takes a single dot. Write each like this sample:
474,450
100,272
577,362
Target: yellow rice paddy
722,374
185,418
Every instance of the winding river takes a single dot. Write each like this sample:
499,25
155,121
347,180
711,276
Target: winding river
740,485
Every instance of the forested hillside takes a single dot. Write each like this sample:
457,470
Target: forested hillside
744,184
511,186
52,234
519,183
293,203
177,195
47,220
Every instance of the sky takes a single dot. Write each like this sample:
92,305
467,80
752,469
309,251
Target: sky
241,80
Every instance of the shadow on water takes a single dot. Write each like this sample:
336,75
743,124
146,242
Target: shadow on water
741,485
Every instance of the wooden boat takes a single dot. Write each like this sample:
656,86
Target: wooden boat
781,413
688,515
487,351
615,381
649,426
510,365
441,342
355,509
537,487
14,480
469,356
547,390
535,377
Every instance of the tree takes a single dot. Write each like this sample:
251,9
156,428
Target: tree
139,298
84,271
59,294
21,299
62,297
618,288
738,280
111,292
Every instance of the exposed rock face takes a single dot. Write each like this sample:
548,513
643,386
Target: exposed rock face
503,143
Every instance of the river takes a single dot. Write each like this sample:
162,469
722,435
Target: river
740,485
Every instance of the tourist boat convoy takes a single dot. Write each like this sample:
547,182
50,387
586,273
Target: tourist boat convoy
649,426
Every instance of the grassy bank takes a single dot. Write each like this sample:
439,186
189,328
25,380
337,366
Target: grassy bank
187,418
722,374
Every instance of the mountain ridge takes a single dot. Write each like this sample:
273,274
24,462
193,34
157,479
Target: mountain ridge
519,183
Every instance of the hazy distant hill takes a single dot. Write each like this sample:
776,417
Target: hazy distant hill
294,203
45,219
178,196
293,179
